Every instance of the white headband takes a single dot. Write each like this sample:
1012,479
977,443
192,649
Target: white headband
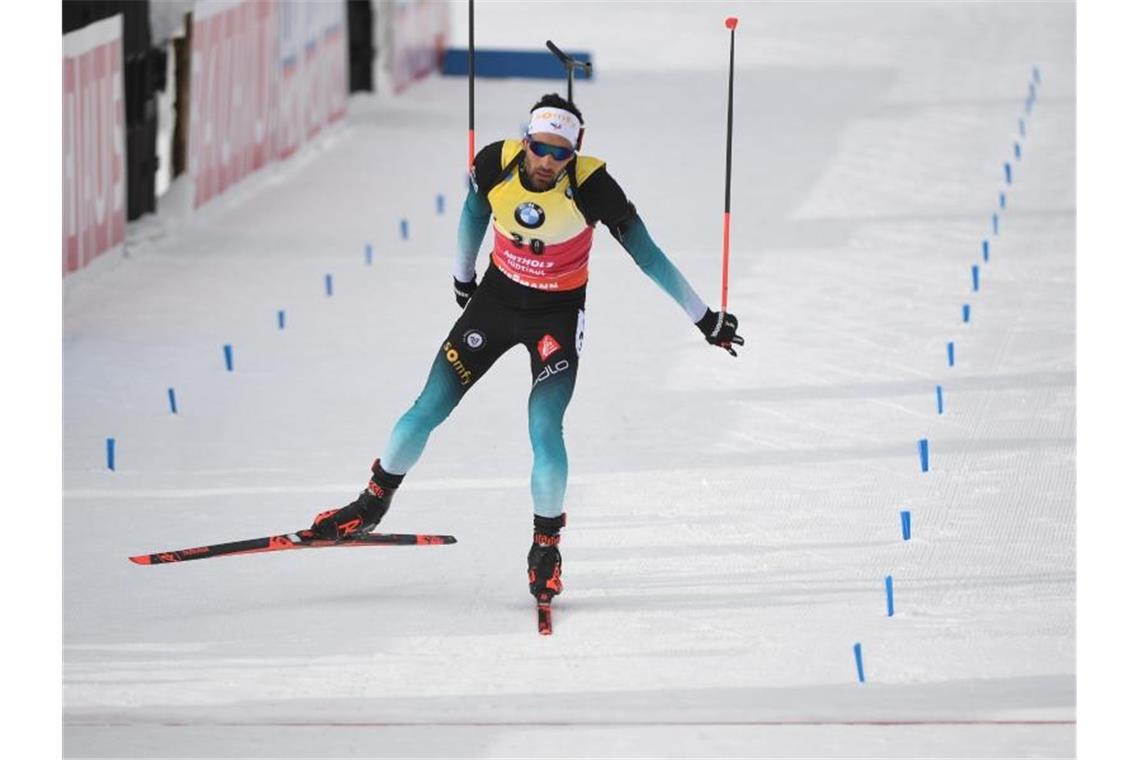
555,121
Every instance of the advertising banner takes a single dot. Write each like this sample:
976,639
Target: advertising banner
233,92
312,70
94,154
419,37
265,77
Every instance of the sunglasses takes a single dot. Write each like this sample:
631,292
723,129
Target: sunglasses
542,150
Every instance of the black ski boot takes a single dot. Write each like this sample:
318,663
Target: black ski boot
544,561
362,515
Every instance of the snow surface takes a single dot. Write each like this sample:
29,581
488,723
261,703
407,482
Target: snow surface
731,521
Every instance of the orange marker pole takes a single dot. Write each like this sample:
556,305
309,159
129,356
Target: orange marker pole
470,82
729,22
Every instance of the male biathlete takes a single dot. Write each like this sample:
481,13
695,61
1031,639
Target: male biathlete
545,199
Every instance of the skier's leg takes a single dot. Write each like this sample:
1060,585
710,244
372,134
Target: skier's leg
479,337
549,398
554,368
444,389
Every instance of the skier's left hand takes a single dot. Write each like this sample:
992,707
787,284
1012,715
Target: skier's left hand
719,328
464,291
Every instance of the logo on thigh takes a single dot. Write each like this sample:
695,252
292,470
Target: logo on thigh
580,333
452,355
474,339
550,370
547,345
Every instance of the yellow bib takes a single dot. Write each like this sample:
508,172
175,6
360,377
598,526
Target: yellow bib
542,239
552,215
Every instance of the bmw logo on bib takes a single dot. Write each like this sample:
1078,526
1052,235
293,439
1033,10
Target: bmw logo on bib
530,215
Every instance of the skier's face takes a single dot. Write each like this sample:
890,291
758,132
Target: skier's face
544,170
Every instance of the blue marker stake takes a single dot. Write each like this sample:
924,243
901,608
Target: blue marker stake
924,454
111,454
1021,127
986,248
1017,150
938,395
439,203
890,584
228,350
280,319
1036,75
906,524
950,353
1008,173
1001,199
1032,91
328,285
859,661
965,312
404,229
173,403
975,273
368,254
995,222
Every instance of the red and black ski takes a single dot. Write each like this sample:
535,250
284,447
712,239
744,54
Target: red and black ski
302,539
545,618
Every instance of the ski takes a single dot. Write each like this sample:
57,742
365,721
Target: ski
545,618
302,539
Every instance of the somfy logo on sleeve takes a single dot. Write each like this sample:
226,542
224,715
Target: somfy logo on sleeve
530,215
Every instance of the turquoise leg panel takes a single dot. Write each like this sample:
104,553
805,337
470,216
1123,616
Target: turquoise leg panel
440,395
548,401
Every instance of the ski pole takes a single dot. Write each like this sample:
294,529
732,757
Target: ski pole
470,82
729,22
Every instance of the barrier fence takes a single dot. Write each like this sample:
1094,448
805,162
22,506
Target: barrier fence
94,157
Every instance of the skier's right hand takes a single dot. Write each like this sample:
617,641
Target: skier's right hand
464,291
719,328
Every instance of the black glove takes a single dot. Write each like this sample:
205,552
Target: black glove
464,291
719,328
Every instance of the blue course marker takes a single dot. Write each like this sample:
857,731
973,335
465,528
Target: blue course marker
975,274
986,245
328,285
368,254
404,229
1021,127
439,203
111,454
924,454
995,222
1008,173
938,396
905,514
280,319
173,402
1037,75
859,661
890,586
228,350
965,312
950,353
1017,150
1001,199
